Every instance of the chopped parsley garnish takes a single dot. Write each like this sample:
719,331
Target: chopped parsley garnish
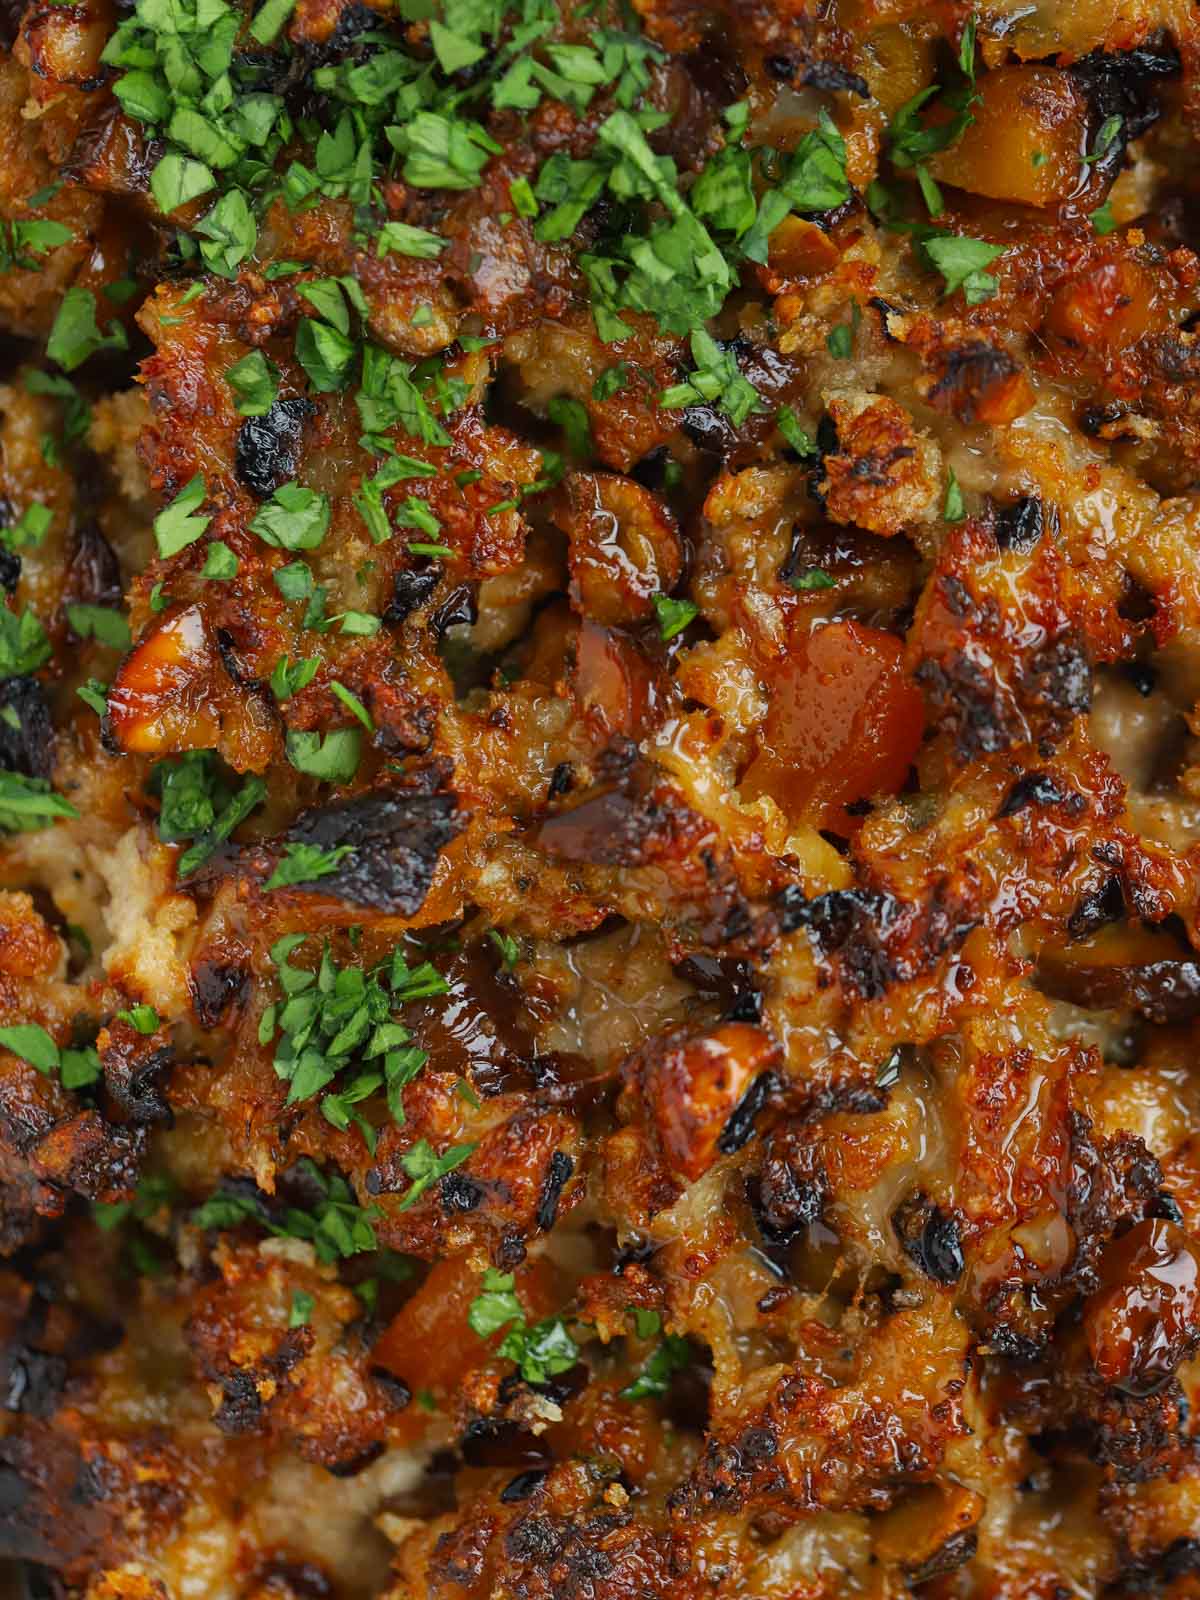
30,1041
302,1302
220,563
673,615
571,416
953,507
1106,137
333,758
75,335
24,646
28,804
101,623
1102,219
671,1356
294,518
336,1226
540,1352
255,382
510,950
911,140
810,579
717,380
425,1167
143,1018
962,263
177,525
795,437
199,803
306,863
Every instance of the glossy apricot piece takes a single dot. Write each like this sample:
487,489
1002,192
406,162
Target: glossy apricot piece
692,1087
158,701
430,1344
844,722
613,683
1025,142
1112,306
1145,1318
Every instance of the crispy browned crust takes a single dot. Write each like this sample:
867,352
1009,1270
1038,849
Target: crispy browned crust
848,1039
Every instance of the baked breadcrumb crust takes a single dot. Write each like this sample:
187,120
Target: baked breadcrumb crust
601,800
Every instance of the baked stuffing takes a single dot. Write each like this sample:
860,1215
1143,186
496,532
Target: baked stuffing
600,776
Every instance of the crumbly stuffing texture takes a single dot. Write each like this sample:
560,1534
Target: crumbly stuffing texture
600,800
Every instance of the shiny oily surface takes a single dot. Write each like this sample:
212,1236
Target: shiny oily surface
599,800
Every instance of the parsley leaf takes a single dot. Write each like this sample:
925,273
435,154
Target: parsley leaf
24,646
333,759
961,262
177,526
27,804
717,379
255,382
295,518
424,1166
673,615
305,863
75,335
671,1356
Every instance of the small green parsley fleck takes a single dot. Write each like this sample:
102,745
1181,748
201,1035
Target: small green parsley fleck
673,615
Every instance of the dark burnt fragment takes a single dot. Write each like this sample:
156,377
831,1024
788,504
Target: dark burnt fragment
1059,677
217,985
969,374
93,576
958,1549
135,1070
1038,789
459,1193
651,470
411,588
1142,676
1125,84
792,1187
558,1174
1020,526
830,77
395,835
268,450
398,1393
1097,907
26,730
460,608
739,1129
853,924
31,1381
930,1239
1114,1183
10,569
359,1462
522,1486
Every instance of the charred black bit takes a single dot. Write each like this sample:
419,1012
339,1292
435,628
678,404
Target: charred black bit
93,573
792,1187
651,470
561,780
1093,419
1142,676
459,1193
1020,526
958,1549
411,588
1125,83
10,569
398,1392
353,1465
459,608
26,730
31,1381
930,1239
215,987
268,451
395,835
135,1082
830,78
522,1486
1037,789
1103,904
558,1175
739,1129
